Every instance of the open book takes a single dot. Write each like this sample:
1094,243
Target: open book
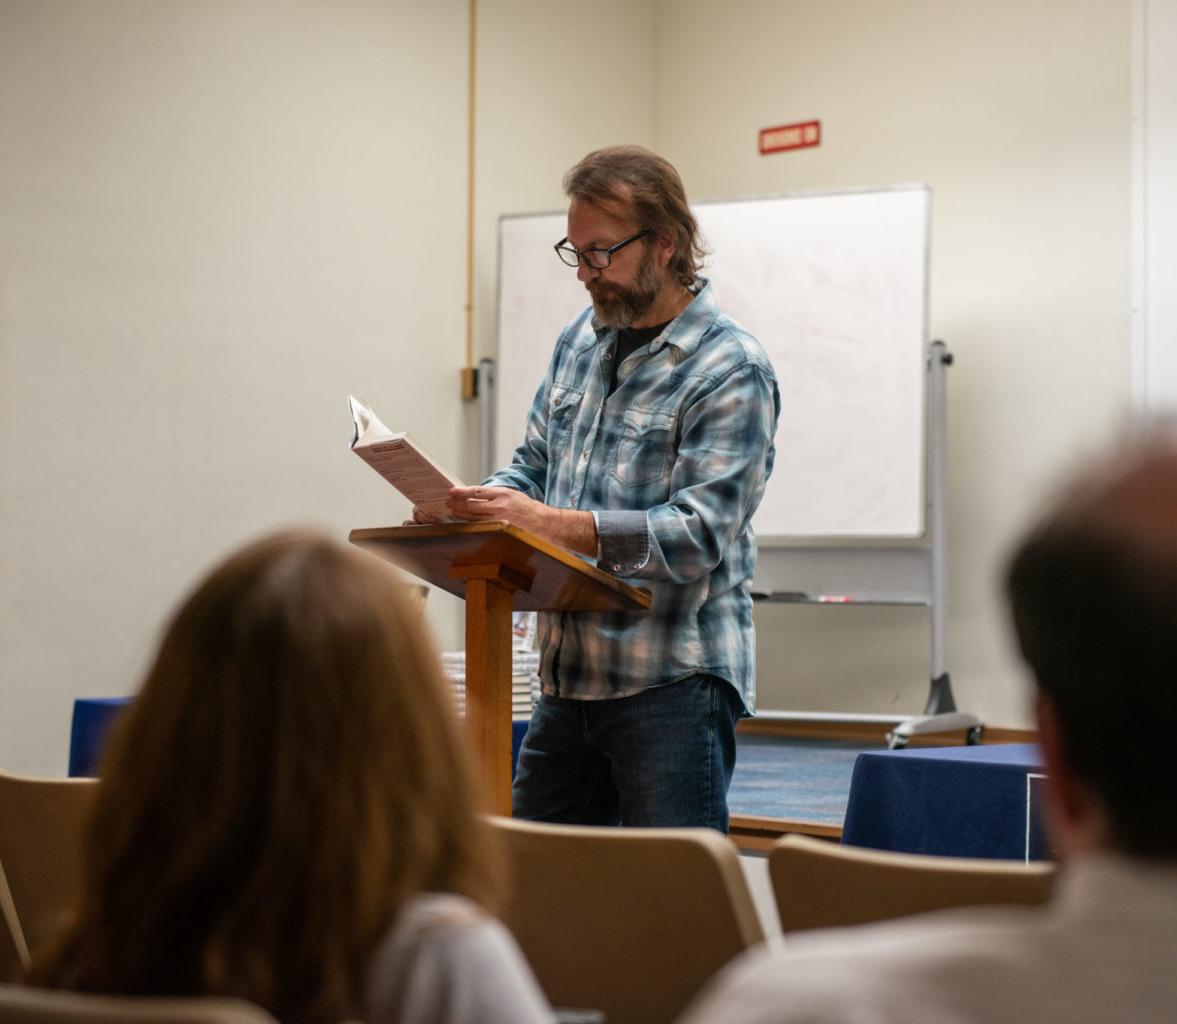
398,459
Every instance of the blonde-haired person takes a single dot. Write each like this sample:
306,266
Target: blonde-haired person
287,813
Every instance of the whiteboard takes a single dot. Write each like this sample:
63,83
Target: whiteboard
835,288
1154,208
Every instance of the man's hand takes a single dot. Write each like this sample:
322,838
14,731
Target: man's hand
576,531
422,518
481,504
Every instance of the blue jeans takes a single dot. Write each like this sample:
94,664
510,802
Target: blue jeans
663,757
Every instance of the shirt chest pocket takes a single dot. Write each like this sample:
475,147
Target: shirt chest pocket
645,447
562,411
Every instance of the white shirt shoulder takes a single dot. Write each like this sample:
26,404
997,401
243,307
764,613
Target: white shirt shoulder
446,961
1101,951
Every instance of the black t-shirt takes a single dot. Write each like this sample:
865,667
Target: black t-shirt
629,340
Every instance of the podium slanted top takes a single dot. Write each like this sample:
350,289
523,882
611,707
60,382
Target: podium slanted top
544,577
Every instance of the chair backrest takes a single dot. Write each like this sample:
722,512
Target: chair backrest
13,953
819,884
40,841
19,1005
629,921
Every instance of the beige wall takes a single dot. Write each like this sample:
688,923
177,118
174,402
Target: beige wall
218,219
1017,114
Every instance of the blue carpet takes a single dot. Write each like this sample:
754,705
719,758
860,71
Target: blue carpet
805,780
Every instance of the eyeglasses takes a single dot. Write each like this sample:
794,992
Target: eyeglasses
598,259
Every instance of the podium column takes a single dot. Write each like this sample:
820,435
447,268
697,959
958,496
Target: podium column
488,676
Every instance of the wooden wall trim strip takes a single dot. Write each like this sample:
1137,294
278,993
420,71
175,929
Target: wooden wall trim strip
851,731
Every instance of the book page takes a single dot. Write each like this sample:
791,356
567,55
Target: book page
401,462
367,427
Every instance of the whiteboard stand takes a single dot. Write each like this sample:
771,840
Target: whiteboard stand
912,574
940,713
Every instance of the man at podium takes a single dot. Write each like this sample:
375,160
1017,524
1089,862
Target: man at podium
646,449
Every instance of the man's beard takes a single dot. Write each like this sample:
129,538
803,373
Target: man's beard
617,306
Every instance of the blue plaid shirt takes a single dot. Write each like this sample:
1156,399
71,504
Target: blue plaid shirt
672,465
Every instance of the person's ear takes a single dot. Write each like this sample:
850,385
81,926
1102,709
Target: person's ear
664,246
1073,816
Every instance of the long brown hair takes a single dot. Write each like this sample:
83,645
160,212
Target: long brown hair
290,775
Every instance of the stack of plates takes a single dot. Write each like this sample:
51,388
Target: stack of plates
453,664
524,680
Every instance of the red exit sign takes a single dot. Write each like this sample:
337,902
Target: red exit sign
790,136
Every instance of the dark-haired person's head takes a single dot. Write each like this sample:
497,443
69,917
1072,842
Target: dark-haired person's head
290,775
1093,594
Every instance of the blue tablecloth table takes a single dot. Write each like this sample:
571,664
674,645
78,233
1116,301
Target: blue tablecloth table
95,716
979,801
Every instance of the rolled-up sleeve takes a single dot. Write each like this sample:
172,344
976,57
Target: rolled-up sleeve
624,537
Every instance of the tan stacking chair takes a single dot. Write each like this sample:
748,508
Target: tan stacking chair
40,839
20,1005
631,921
819,884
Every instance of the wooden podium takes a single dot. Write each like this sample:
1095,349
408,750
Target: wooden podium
498,569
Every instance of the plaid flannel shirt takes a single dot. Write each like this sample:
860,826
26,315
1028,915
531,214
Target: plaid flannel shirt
672,465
